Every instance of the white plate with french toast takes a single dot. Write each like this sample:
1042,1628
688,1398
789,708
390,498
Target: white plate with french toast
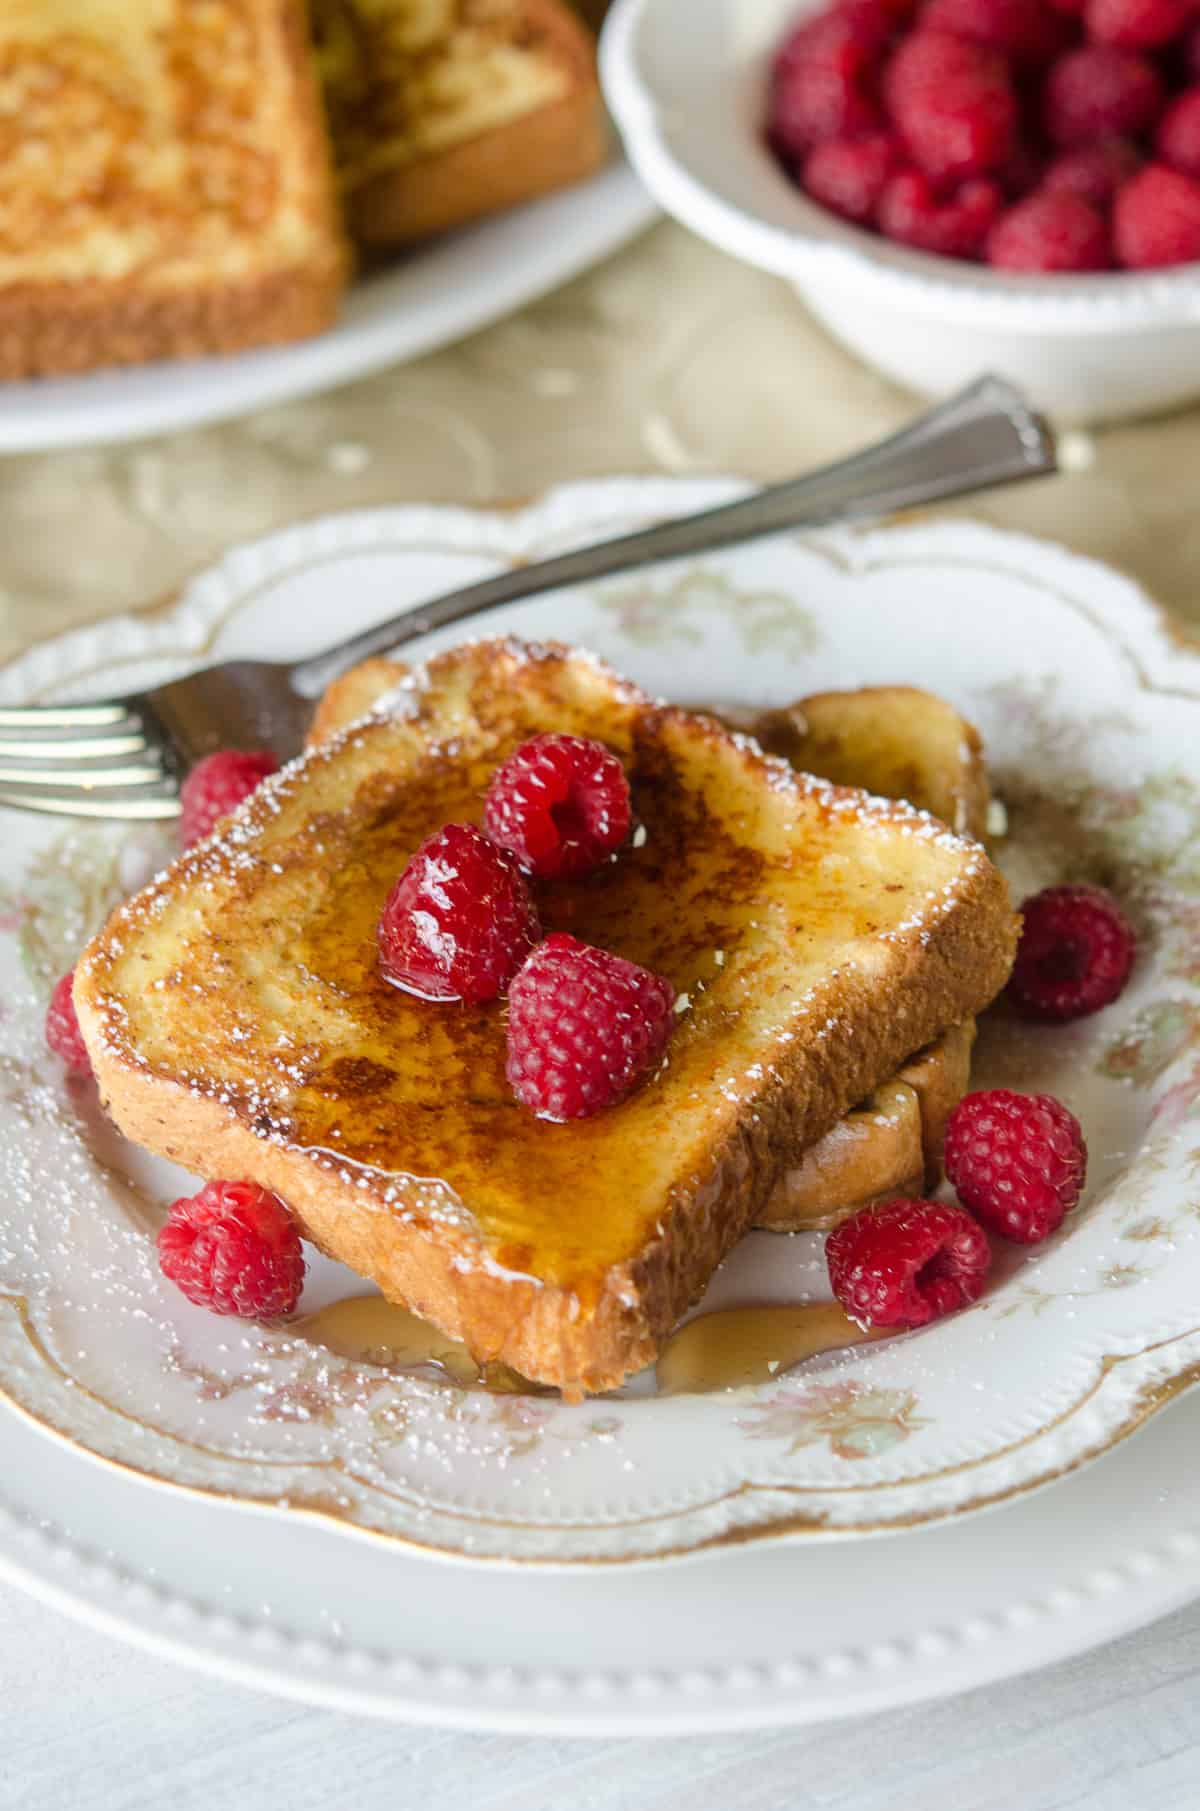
829,952
190,193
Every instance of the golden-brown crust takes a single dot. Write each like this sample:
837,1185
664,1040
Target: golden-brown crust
874,1152
939,1077
55,329
896,740
890,1145
557,143
353,694
61,326
930,970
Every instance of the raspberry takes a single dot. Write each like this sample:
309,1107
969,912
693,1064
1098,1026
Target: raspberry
1189,51
1022,171
1136,24
1023,29
217,785
906,1263
584,1028
822,83
873,22
890,13
1094,172
560,804
1156,219
459,922
1016,1160
62,1027
233,1248
1178,138
1098,91
847,175
1075,954
909,213
953,104
1050,232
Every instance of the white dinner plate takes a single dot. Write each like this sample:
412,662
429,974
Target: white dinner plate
341,1468
427,298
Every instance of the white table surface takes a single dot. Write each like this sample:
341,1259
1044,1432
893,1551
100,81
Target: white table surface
91,1725
669,358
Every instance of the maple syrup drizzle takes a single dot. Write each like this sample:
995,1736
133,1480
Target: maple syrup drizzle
725,1350
735,1347
368,1330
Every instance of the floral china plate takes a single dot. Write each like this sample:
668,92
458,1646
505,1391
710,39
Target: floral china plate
1091,717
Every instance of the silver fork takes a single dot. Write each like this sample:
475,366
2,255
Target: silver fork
125,757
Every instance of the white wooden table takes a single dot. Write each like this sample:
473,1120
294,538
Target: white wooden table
670,358
91,1725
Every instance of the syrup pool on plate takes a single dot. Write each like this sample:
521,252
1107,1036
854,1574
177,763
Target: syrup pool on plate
726,1350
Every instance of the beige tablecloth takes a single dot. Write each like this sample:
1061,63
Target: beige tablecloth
668,358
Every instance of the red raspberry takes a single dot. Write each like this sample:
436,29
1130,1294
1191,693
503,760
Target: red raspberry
459,922
1050,232
1075,954
560,804
953,104
906,1263
1156,219
847,174
62,1027
233,1248
822,84
874,22
1136,24
1099,91
217,785
1023,29
1178,138
1094,172
1016,1160
1023,171
895,13
957,228
584,1028
1189,51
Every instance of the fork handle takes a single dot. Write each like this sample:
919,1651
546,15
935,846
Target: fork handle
984,436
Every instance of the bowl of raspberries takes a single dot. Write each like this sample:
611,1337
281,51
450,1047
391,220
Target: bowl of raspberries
953,185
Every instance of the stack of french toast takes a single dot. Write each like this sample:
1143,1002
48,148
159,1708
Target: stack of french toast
190,177
827,939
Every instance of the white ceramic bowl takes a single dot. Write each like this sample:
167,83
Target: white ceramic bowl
686,81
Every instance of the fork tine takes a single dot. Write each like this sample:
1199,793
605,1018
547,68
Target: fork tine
84,779
140,809
64,716
157,800
71,747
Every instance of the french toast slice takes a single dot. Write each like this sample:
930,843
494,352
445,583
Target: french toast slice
878,738
896,740
445,110
238,1024
889,1145
165,184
